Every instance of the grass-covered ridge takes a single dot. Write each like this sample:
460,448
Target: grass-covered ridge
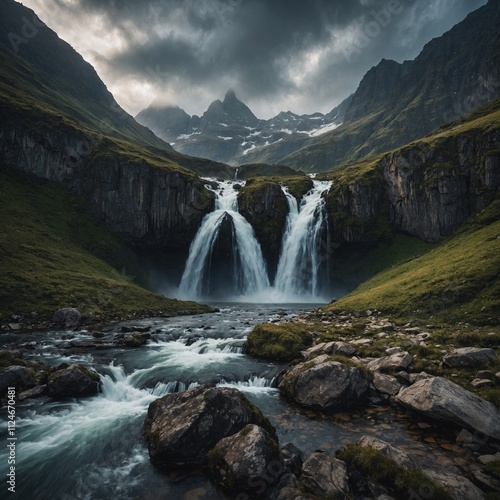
456,280
54,255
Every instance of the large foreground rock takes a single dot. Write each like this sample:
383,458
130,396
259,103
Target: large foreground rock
325,385
441,399
182,428
249,461
73,381
324,476
466,357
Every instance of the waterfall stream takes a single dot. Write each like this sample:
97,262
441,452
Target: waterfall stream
300,260
217,270
245,272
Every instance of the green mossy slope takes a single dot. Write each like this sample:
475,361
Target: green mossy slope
457,280
53,254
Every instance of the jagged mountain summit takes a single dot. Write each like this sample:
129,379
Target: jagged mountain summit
395,103
228,130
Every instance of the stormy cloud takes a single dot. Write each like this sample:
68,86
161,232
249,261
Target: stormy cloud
276,54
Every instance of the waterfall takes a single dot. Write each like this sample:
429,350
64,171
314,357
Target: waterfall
300,261
216,268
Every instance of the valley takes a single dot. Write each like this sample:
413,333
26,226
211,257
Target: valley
307,293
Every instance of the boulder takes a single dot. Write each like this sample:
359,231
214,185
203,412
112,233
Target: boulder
249,461
416,377
444,400
37,391
16,376
67,317
397,361
314,350
325,385
324,476
132,340
466,357
182,428
73,381
401,458
292,457
386,384
459,487
479,383
289,493
340,348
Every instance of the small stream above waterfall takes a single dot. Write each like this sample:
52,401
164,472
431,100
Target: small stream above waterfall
226,262
94,448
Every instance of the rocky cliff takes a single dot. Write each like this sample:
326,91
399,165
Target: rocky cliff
68,128
426,189
144,199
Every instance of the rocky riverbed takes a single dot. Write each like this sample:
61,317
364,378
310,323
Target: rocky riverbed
371,407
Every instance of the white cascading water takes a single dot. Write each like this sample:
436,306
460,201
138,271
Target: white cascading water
300,260
249,268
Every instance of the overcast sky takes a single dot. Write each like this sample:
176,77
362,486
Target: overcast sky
278,55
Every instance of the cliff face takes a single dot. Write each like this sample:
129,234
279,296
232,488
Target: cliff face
427,189
264,206
375,89
454,180
141,202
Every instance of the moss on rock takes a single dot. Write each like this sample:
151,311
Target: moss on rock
282,342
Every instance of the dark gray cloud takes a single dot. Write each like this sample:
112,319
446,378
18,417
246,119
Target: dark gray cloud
276,54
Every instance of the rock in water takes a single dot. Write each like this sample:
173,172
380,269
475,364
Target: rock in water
469,356
73,381
324,477
326,385
67,317
292,457
249,461
182,428
19,377
444,400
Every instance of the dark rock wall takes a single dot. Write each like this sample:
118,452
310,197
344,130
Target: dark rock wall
423,190
143,203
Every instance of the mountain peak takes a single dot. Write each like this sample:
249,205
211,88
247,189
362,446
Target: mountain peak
230,96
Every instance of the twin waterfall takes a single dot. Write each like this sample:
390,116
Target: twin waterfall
226,262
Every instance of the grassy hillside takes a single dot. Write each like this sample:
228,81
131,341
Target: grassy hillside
54,255
45,83
456,281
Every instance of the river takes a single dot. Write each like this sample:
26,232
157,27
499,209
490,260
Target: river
94,447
